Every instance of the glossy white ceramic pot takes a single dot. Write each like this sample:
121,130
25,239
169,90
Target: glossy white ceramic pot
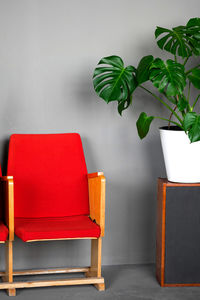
182,158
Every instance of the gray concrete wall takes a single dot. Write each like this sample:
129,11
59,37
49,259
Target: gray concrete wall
48,51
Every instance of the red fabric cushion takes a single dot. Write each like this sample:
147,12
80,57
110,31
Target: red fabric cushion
50,175
55,228
3,232
1,198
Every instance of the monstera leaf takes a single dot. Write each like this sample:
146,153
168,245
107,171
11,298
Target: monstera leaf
168,77
114,82
124,104
191,125
143,124
193,35
182,103
194,77
142,73
181,40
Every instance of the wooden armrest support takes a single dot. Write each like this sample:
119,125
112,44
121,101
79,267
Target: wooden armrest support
97,174
6,178
97,186
7,192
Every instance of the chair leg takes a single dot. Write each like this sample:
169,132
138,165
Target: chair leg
95,269
9,267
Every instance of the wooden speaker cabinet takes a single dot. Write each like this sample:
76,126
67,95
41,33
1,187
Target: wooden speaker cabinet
178,234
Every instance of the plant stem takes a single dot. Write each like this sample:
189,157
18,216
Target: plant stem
183,114
189,71
186,60
188,97
163,102
171,116
168,121
195,102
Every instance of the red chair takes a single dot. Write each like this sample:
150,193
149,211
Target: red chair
3,232
3,228
6,236
56,199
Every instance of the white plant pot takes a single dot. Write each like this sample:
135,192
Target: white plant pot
182,158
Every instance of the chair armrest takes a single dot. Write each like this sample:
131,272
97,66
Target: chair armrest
97,187
92,175
7,192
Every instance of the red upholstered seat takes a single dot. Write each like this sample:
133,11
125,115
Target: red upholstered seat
3,232
55,228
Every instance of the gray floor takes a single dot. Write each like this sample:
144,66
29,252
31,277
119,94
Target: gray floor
134,282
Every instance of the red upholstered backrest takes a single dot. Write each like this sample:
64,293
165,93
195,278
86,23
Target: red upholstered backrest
50,175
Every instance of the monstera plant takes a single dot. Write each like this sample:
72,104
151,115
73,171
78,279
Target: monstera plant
172,78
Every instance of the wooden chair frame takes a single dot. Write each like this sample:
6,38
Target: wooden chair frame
96,183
